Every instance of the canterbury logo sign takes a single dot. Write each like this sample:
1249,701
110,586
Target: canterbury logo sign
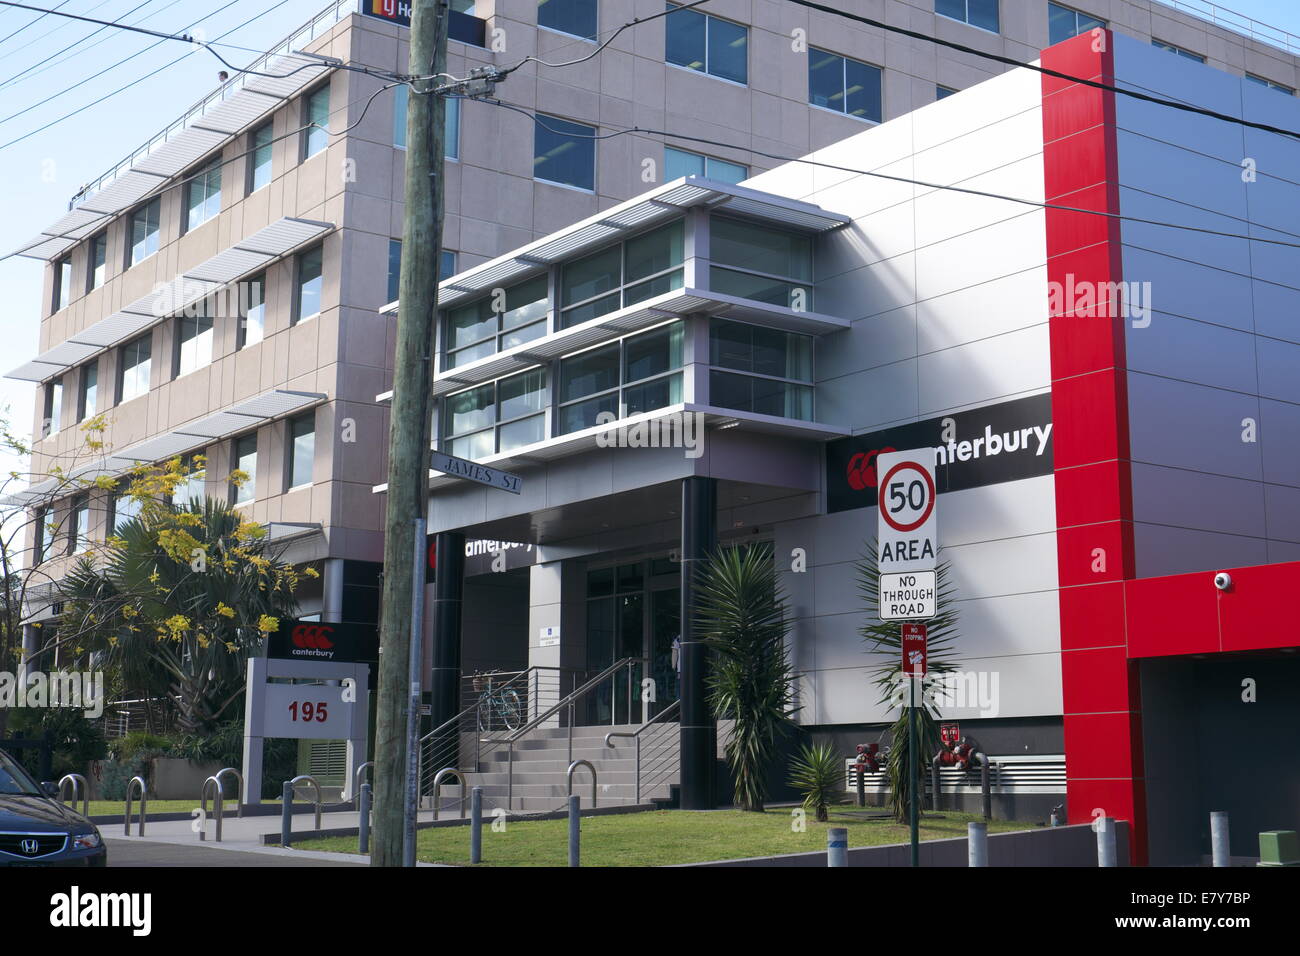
312,640
861,473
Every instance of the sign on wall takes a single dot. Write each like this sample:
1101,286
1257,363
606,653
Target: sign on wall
308,711
332,642
984,446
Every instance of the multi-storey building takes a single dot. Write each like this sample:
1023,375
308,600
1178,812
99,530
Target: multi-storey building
221,291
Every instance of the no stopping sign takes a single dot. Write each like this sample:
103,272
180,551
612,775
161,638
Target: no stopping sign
907,528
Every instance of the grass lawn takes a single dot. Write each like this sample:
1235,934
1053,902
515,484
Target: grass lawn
662,837
108,808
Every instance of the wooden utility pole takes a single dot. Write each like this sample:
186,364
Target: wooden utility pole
408,434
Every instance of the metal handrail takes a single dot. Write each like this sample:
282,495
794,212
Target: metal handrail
239,787
143,804
636,736
312,780
79,784
575,694
437,784
574,766
217,799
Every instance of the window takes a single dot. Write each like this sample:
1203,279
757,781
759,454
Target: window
78,525
245,460
776,370
978,13
574,17
679,163
475,330
192,487
450,120
88,391
497,417
302,449
259,161
634,375
193,342
1270,84
446,271
564,152
943,92
760,263
837,83
97,265
707,44
1169,47
144,231
317,136
121,509
53,412
252,312
1064,23
622,275
203,196
39,520
62,283
306,302
133,368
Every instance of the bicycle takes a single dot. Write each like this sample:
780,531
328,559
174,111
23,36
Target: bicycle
497,706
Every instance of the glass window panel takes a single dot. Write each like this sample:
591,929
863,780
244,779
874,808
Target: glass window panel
686,38
318,115
748,245
470,410
724,171
658,393
654,252
679,163
472,354
951,8
470,323
654,352
728,50
584,414
246,461
630,577
526,431
303,450
64,279
124,508
253,325
600,582
89,399
144,231
825,79
591,310
652,287
98,260
194,349
203,196
401,94
983,13
394,268
525,303
576,17
473,447
261,157
309,283
564,152
53,408
862,90
522,394
524,334
759,288
135,368
589,372
591,276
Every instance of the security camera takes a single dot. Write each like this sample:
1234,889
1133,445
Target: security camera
1223,581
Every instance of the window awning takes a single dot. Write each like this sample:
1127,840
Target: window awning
665,202
244,258
249,414
237,105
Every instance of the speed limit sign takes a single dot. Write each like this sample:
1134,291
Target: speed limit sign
907,529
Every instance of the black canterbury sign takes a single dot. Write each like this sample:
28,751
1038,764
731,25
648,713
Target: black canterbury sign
983,446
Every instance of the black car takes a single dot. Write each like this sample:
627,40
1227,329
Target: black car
37,830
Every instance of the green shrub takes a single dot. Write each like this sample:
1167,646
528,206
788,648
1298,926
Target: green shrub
818,773
140,745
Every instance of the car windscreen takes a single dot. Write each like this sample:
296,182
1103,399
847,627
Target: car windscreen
14,780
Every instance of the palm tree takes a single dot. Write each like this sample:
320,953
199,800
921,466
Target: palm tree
741,614
175,603
885,644
818,773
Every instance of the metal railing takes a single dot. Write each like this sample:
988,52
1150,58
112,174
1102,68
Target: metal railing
131,784
661,756
437,788
569,778
1237,23
78,784
217,796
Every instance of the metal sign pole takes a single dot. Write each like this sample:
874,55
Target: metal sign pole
911,771
413,704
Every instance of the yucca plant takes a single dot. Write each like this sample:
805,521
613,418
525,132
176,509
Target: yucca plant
885,645
817,772
740,613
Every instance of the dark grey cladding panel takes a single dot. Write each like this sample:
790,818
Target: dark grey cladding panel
1184,425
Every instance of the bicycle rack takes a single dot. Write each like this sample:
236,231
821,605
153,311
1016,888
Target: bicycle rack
78,785
356,785
437,783
583,763
239,788
216,807
143,803
312,780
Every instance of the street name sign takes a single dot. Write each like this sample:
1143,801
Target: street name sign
464,468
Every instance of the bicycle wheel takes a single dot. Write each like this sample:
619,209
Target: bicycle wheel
512,711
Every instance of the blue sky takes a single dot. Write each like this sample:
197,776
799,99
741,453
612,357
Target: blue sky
39,174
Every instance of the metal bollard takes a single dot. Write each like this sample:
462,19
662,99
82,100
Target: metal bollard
575,829
286,813
837,846
363,804
476,825
862,785
1219,838
977,844
1106,852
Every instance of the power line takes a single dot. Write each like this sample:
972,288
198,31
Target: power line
1057,74
33,22
906,180
103,23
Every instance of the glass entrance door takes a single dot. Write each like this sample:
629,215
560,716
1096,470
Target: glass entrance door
665,629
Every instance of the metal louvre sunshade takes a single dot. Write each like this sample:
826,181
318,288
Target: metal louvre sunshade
244,258
176,154
124,191
300,71
237,112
